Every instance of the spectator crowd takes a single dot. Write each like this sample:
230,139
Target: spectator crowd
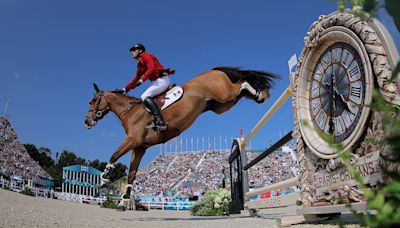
178,174
14,159
192,173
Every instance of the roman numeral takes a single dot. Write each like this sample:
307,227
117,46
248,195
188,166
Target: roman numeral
355,91
354,70
325,60
346,56
321,120
340,125
315,89
315,105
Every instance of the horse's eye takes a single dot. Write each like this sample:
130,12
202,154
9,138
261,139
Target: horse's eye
91,101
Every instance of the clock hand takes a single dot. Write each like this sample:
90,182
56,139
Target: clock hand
346,104
332,105
343,101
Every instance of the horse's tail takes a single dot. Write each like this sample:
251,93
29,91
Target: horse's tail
259,80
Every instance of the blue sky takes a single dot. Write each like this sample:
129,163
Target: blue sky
52,51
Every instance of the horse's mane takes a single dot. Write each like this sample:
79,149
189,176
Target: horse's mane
133,100
260,80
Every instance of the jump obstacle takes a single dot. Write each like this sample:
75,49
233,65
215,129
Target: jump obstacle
239,185
322,177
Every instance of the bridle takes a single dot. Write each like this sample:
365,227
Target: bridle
99,114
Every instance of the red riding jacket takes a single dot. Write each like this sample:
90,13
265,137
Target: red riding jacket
148,67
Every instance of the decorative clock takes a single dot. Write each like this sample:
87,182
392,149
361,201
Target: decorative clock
333,91
343,60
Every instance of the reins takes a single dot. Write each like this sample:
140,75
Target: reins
99,114
131,104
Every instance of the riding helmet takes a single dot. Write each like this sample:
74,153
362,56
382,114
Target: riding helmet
137,46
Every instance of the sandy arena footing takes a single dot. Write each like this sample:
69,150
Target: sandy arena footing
18,210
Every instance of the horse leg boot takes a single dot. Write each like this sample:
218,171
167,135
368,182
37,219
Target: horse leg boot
259,96
125,197
104,176
133,167
159,122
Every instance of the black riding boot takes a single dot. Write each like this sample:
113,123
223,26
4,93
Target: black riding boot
158,120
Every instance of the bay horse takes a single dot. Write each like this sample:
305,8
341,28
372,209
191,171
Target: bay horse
216,90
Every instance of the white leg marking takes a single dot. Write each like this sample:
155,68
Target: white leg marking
245,85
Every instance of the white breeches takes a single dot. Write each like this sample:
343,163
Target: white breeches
158,86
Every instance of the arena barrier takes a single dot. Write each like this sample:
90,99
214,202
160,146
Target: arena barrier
162,205
239,166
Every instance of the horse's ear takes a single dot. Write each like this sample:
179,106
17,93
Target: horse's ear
96,88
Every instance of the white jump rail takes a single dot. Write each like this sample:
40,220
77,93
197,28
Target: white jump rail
278,103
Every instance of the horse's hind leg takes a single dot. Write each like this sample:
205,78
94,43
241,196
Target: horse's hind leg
127,145
259,96
136,157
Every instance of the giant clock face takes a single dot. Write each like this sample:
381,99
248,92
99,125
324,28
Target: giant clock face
337,91
334,86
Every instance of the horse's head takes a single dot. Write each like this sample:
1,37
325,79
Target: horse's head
99,107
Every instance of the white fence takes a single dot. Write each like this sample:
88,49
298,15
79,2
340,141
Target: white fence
79,198
178,206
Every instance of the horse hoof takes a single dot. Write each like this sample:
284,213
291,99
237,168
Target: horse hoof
121,208
260,101
104,182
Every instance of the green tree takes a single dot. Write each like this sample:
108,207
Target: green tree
98,164
69,158
40,156
118,172
32,151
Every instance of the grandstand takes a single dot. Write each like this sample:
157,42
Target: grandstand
170,174
193,173
15,160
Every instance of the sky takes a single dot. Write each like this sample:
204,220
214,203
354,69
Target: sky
52,51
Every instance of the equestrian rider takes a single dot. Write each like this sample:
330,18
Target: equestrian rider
149,67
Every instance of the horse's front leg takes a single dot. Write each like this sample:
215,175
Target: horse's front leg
136,157
126,145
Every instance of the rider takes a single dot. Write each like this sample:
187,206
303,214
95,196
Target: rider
149,67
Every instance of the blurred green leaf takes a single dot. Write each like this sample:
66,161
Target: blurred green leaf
377,202
396,71
393,8
371,6
387,209
392,188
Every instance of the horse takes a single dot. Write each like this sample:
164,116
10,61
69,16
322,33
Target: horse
216,90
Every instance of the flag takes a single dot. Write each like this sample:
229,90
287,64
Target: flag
292,62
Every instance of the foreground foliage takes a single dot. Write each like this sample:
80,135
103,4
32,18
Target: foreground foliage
214,203
383,202
109,204
27,191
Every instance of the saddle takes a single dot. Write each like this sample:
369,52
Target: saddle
172,94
